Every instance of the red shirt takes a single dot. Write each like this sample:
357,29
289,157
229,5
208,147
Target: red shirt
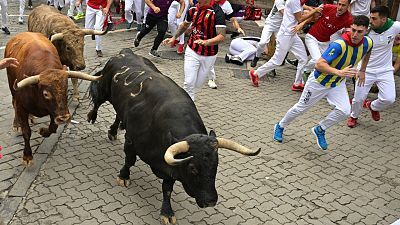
204,23
95,4
329,23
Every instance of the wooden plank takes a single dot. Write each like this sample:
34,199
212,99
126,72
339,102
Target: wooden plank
264,4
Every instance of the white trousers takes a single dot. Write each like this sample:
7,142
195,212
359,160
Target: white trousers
386,94
59,3
94,19
197,67
313,92
145,11
21,8
315,48
265,38
285,43
243,49
173,22
71,5
4,13
135,5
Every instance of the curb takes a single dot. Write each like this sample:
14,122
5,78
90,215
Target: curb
17,193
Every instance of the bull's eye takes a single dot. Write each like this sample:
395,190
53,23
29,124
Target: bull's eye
46,94
67,48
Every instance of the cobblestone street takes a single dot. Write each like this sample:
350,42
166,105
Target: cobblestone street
73,179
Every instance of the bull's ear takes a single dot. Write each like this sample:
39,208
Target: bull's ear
212,133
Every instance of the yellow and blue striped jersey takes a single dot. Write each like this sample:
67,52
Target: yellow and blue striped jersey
340,55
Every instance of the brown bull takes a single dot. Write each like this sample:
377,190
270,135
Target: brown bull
38,85
65,35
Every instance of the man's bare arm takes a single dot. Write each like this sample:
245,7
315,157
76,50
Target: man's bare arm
181,29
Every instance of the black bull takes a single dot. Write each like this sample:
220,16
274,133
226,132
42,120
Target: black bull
162,127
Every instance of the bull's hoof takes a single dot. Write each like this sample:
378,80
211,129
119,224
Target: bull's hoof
168,220
27,161
111,136
76,98
91,116
122,182
32,119
17,129
44,132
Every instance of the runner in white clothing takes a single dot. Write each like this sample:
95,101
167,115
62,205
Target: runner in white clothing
242,49
288,40
360,7
271,26
379,70
4,16
229,15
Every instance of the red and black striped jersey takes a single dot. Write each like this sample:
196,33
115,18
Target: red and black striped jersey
204,24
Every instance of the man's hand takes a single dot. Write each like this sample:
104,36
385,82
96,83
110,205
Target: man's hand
298,28
156,9
202,42
317,10
8,62
105,11
360,78
178,15
347,72
169,41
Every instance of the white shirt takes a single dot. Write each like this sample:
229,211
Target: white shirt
274,18
360,7
381,53
226,8
289,21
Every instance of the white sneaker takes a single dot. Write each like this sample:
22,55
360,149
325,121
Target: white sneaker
212,84
20,20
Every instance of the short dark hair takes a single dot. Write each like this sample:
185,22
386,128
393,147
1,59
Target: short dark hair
361,20
382,10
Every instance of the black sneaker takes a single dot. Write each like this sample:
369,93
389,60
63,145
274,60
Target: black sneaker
273,73
293,62
254,61
228,58
236,60
154,53
59,8
99,53
136,41
6,31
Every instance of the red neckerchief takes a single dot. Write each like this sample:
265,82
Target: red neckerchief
221,2
302,2
347,38
207,6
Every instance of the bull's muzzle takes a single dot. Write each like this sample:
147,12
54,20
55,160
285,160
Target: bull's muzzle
63,119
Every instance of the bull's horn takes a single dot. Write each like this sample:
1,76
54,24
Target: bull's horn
231,145
175,149
83,76
27,81
57,36
94,32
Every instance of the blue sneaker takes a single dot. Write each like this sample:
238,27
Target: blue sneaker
319,133
278,133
